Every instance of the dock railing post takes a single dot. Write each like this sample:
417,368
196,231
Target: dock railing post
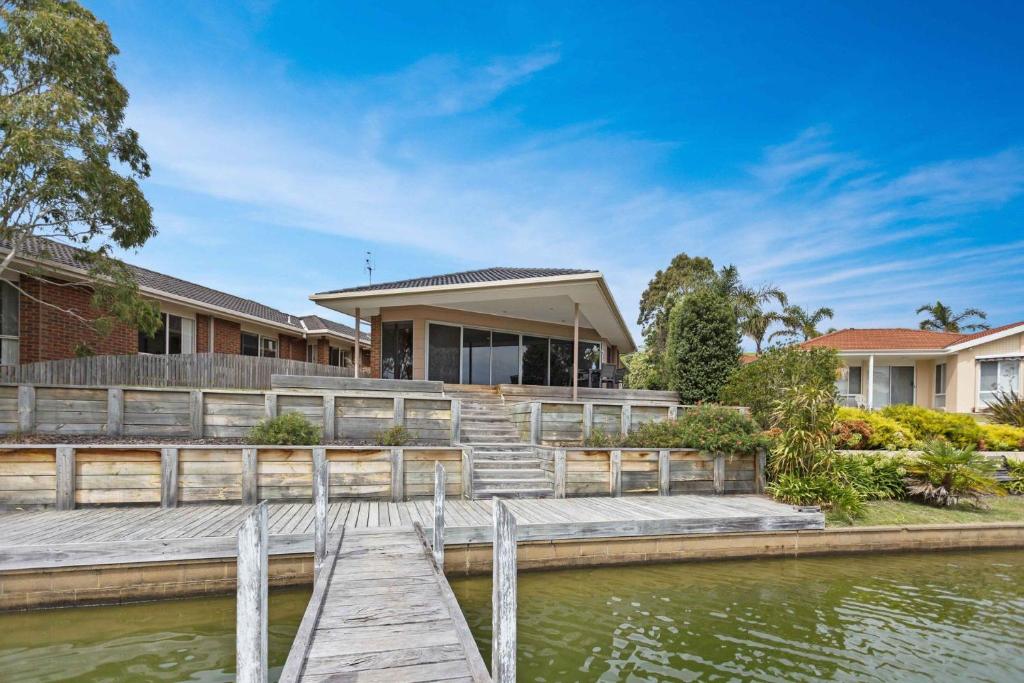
718,475
467,472
438,531
560,473
760,460
664,472
615,473
321,496
503,596
168,477
456,424
536,410
251,599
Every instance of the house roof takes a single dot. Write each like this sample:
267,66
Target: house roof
315,323
50,251
495,274
901,339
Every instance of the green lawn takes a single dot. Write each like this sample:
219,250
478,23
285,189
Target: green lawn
899,512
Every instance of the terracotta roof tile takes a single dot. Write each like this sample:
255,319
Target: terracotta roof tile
897,338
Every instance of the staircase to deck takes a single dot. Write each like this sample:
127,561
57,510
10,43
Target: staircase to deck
502,464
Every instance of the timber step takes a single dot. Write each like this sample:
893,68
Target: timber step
505,465
487,476
547,492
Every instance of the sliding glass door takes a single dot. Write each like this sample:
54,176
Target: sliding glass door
476,356
535,360
504,358
396,350
443,346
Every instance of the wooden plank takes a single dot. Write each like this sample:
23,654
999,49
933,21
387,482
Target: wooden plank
355,384
329,418
26,408
321,496
438,529
615,477
195,411
251,601
168,477
397,474
664,472
249,476
560,473
503,596
718,478
65,477
115,411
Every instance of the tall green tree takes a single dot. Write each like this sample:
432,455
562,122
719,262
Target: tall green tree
802,324
943,319
69,167
703,347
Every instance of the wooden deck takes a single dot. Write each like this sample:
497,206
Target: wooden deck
103,536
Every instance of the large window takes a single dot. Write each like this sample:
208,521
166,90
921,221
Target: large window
396,350
9,346
849,382
940,385
998,377
504,358
250,344
444,342
176,335
535,360
476,356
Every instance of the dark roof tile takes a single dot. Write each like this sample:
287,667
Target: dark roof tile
496,274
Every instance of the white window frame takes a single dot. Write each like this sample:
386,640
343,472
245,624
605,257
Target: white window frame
939,391
13,341
259,343
166,317
982,404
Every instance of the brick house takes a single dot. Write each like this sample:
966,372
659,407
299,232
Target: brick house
197,319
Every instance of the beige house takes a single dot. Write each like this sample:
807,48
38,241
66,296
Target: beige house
537,326
943,370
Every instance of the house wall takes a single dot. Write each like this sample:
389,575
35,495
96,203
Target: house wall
420,315
968,374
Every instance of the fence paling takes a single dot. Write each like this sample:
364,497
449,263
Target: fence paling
199,370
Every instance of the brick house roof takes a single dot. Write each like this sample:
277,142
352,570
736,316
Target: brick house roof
496,274
896,339
45,250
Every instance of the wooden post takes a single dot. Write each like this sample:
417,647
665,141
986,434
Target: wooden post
673,412
250,475
195,412
251,600
65,478
321,497
467,472
399,411
588,420
456,420
397,474
616,473
329,434
575,351
26,408
503,596
270,405
535,422
115,411
719,473
560,473
439,482
626,418
358,353
168,477
760,460
664,473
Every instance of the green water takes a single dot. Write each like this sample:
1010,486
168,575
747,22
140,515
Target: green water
921,617
174,640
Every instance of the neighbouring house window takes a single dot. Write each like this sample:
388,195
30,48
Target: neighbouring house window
250,344
339,357
176,335
9,314
849,385
998,377
940,385
268,347
310,353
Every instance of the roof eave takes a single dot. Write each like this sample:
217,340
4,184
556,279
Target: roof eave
985,339
397,291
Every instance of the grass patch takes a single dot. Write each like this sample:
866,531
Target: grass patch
900,512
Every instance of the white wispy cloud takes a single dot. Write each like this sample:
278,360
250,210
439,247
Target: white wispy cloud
829,226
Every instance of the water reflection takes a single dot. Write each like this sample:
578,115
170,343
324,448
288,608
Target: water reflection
864,618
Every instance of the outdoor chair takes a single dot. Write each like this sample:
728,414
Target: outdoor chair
608,375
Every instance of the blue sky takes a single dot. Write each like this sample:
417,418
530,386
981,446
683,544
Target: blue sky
866,156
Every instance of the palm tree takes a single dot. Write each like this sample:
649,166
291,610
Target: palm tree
800,323
755,325
944,320
750,303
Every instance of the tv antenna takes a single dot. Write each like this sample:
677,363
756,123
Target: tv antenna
369,266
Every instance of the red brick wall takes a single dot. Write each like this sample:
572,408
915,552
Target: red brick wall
374,346
50,334
323,351
202,333
227,336
291,348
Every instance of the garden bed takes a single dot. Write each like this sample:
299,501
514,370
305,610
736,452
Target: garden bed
103,440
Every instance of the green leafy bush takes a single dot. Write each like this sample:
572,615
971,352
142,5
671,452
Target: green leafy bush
710,428
876,476
945,475
852,434
807,417
703,348
759,384
959,430
886,433
600,439
822,489
396,436
1001,437
643,370
1008,409
289,429
1015,468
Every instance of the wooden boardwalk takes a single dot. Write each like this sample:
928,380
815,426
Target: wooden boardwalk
100,536
385,613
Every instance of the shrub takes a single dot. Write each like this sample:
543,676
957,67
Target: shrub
600,439
945,475
1008,409
807,417
959,430
852,434
289,429
758,385
876,476
643,370
710,428
1015,469
395,436
1001,437
703,348
886,433
823,489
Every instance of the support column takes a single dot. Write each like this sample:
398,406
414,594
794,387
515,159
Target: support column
251,598
871,382
503,595
575,351
358,359
437,543
321,499
168,477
